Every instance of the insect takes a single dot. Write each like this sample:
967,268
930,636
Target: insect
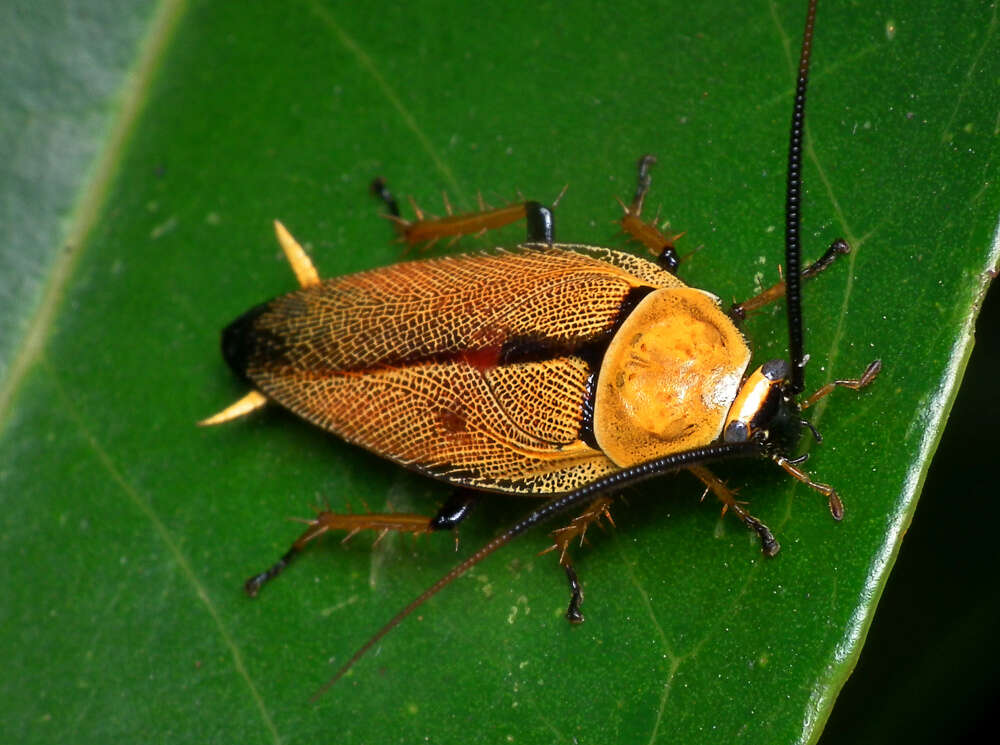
551,370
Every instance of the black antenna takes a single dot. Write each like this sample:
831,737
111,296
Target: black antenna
793,208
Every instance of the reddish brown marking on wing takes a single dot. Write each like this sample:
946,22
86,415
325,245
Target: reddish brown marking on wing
485,348
408,361
451,422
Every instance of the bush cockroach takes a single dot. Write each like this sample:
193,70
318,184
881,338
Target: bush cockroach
552,370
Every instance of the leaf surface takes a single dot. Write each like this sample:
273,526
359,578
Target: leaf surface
127,532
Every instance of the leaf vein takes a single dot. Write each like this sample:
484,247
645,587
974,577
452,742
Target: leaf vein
145,507
366,63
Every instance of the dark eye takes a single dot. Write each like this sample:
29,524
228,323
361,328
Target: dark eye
736,431
775,370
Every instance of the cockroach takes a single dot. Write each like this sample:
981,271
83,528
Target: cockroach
552,370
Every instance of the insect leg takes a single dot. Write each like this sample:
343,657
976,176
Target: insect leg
768,545
381,190
564,536
836,505
541,223
777,291
326,521
646,232
428,230
573,614
873,369
455,510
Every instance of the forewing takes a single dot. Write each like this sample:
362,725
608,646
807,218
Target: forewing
477,369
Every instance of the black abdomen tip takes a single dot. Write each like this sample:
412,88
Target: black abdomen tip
240,341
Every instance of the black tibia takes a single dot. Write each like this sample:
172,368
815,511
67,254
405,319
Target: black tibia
541,223
455,510
769,546
381,190
576,531
839,247
573,614
252,586
644,181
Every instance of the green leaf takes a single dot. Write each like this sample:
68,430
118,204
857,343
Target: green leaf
127,531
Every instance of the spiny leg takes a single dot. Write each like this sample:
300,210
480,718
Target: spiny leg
776,291
768,545
791,466
326,521
870,373
426,231
564,536
832,498
455,510
646,232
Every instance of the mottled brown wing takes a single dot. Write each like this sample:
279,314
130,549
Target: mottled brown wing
476,369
